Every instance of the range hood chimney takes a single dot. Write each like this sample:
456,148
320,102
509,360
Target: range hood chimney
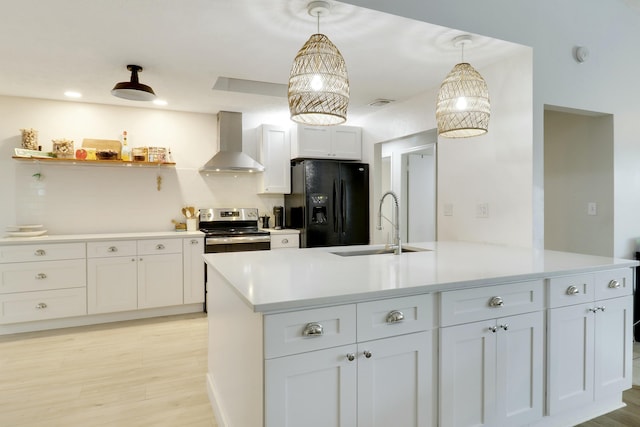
230,158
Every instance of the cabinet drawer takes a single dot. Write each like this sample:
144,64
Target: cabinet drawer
613,283
382,319
470,305
44,252
111,248
38,276
30,306
159,246
285,241
300,331
570,290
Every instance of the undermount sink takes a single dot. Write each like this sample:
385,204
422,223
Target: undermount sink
378,251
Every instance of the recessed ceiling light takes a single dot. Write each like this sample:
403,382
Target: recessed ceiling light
72,94
160,102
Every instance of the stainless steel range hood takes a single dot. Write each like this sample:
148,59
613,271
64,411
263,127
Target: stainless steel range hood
230,158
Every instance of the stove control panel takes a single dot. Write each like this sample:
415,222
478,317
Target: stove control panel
228,214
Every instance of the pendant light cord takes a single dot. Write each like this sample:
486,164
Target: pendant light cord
318,17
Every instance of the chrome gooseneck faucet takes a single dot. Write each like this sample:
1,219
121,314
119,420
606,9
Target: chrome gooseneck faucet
397,244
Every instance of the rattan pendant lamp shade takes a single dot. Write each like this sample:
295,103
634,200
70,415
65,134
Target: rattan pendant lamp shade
463,108
318,84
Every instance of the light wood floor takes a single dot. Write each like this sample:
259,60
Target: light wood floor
131,374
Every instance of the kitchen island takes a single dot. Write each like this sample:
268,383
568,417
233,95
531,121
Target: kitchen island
451,334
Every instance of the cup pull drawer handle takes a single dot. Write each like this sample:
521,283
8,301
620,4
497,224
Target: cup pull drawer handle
313,330
40,252
41,305
614,284
573,290
496,302
194,242
395,316
112,249
41,276
159,246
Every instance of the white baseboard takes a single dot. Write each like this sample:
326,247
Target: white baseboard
94,319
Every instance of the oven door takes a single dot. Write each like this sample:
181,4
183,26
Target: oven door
237,244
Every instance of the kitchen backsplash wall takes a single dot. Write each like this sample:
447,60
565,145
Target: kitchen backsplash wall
101,199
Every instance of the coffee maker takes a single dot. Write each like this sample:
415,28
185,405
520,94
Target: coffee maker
278,215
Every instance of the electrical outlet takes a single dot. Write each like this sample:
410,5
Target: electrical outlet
592,208
448,209
482,210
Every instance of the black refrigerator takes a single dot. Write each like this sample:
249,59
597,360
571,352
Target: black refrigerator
329,202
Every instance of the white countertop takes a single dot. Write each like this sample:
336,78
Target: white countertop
298,278
282,230
69,238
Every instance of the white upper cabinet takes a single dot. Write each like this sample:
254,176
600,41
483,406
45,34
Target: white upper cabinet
274,150
327,142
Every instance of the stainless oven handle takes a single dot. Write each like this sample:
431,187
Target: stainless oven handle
238,239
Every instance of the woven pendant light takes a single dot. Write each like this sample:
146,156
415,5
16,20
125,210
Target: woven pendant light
463,108
318,84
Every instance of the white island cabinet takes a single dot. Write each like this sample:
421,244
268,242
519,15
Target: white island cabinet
312,338
590,338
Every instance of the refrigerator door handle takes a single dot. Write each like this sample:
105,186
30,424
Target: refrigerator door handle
335,210
343,204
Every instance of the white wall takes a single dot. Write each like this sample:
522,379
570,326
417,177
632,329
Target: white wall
605,83
495,168
89,199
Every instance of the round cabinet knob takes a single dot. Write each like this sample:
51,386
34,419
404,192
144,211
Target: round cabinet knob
112,249
351,357
313,329
614,284
505,326
194,242
41,306
159,246
496,302
285,241
41,276
493,329
573,290
40,252
367,354
601,308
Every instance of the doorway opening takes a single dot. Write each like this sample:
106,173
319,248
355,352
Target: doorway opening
578,181
408,168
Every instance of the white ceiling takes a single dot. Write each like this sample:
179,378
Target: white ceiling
48,47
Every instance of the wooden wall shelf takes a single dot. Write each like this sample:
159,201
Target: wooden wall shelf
116,163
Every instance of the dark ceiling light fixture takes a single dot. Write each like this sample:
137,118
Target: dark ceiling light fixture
318,84
133,89
463,108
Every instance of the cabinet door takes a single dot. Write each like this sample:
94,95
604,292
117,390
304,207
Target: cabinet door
346,142
570,336
313,142
274,153
112,284
395,382
520,357
159,280
468,375
192,250
314,389
613,346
